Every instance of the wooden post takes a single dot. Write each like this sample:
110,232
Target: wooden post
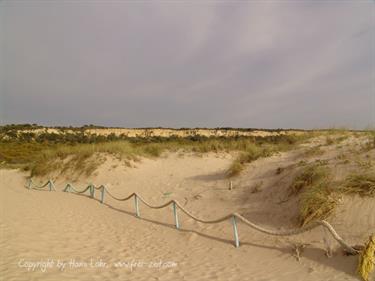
29,184
136,205
236,240
175,215
92,191
50,185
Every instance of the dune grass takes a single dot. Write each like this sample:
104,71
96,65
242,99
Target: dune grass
370,143
254,151
310,176
319,195
313,151
317,198
85,158
317,203
361,184
42,158
251,153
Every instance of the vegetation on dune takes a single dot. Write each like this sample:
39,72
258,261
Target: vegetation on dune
317,202
252,153
361,184
370,144
265,148
329,141
319,194
50,151
311,175
77,152
317,199
335,136
313,151
42,159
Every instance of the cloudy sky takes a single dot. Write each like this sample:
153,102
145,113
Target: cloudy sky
265,64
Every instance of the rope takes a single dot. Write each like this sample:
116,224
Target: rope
200,220
120,199
31,183
290,232
152,206
99,187
76,191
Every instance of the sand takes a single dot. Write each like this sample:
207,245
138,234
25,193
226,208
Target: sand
85,240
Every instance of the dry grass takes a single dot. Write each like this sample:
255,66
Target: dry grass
252,153
317,200
370,143
313,151
361,184
258,150
317,203
329,140
309,176
336,139
43,158
85,158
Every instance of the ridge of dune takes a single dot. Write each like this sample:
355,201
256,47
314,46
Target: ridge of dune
161,132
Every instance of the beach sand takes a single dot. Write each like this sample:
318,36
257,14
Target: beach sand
83,239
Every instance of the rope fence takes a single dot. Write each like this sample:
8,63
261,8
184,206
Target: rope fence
233,217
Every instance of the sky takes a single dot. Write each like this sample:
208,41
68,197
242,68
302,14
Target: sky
253,64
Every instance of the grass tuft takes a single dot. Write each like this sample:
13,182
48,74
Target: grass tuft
317,200
251,154
317,203
313,151
310,175
361,184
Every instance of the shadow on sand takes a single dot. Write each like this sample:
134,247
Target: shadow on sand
339,262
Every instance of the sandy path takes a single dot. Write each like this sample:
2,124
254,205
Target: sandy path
37,225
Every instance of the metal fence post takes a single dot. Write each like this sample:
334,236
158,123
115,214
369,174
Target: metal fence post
236,240
29,184
102,194
175,215
136,205
53,185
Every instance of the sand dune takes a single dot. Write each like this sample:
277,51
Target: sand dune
164,132
84,234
